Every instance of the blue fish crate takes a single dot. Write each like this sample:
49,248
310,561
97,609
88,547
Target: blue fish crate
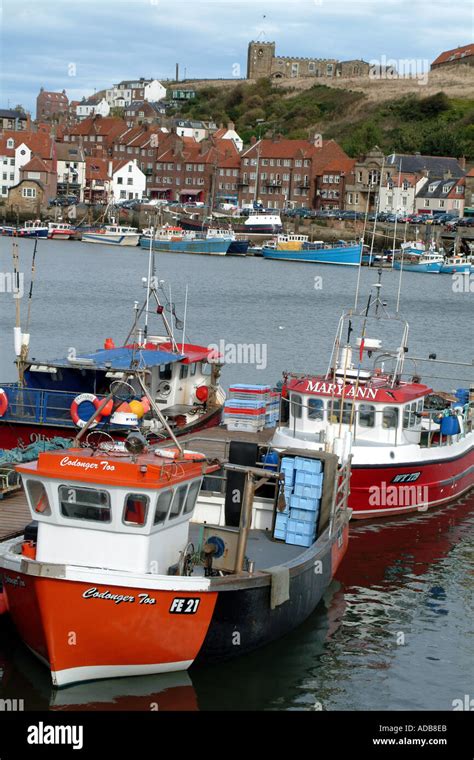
308,492
300,532
311,479
300,502
281,521
308,465
304,514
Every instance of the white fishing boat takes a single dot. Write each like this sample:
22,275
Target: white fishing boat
60,231
112,234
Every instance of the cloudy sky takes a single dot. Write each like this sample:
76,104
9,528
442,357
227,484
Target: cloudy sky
83,45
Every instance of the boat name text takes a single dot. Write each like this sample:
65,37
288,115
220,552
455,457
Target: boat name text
94,593
103,465
333,389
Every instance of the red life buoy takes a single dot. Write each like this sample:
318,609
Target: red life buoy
75,409
3,402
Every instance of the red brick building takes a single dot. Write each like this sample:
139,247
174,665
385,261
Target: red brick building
282,173
97,189
51,106
461,55
96,134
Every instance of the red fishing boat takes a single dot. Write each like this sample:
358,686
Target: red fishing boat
406,456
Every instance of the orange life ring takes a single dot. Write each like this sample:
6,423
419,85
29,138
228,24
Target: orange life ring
75,409
3,402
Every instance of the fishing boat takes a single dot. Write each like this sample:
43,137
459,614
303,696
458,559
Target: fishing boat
298,248
149,574
54,397
60,231
457,264
414,248
406,456
431,263
169,239
112,234
33,229
236,247
255,224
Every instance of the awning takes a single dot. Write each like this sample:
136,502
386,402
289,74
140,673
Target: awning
118,359
190,192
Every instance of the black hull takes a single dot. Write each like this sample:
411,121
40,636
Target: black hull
243,619
241,229
238,248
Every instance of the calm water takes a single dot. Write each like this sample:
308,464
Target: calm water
395,628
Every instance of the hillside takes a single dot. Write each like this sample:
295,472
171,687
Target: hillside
399,116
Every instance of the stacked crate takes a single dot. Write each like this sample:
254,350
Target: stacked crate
251,407
297,525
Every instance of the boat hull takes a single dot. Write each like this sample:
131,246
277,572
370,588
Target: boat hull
97,237
432,268
456,268
85,628
238,248
348,256
197,247
244,229
33,233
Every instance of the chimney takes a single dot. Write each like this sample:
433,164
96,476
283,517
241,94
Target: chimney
462,163
230,126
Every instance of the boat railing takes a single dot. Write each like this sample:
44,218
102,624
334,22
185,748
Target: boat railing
39,406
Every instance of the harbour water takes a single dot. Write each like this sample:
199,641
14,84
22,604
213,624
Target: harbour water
394,629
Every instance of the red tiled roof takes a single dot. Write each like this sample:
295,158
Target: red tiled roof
39,143
470,173
452,56
105,125
57,96
35,165
97,168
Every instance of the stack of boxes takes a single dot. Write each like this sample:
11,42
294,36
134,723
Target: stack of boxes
251,407
298,524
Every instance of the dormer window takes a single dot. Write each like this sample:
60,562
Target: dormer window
10,143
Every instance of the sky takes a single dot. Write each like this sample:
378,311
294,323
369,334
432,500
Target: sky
87,45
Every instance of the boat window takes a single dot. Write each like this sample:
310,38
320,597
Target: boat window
191,497
84,503
178,501
409,415
38,497
296,405
389,417
162,506
420,405
192,369
136,509
315,409
366,415
183,372
346,411
207,369
165,371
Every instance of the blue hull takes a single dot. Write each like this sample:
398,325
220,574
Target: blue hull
456,268
349,256
202,247
426,268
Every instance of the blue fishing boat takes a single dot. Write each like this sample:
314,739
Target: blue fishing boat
429,263
457,265
298,248
177,240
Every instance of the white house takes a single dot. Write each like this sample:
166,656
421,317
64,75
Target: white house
398,195
196,129
90,108
440,196
16,150
229,133
124,93
128,180
71,170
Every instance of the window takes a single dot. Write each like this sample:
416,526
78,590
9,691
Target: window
346,412
119,180
162,507
296,405
135,509
129,180
130,167
28,192
366,415
315,409
84,503
191,497
38,497
183,372
178,501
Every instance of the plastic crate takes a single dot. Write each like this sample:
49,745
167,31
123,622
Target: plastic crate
308,492
246,427
299,502
304,514
300,532
308,479
308,465
281,522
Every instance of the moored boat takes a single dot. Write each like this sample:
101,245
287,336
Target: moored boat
112,234
406,456
126,543
60,231
428,263
170,239
298,248
457,264
255,224
33,229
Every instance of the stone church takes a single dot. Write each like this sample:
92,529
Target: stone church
262,62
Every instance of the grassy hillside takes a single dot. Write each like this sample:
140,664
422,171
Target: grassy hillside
436,125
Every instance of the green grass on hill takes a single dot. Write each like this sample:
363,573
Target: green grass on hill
435,125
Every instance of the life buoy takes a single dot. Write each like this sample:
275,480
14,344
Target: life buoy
3,402
75,409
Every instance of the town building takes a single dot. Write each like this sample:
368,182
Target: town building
229,133
262,61
92,106
16,150
128,180
13,119
198,130
96,134
71,170
441,196
51,106
126,92
98,182
469,193
143,112
397,195
183,94
456,57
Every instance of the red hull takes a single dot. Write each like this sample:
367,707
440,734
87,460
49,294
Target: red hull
374,492
13,434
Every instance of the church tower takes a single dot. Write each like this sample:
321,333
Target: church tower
260,59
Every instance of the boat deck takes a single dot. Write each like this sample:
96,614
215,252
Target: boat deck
265,552
14,515
214,442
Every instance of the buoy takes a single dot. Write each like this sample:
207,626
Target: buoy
109,344
146,404
81,398
137,408
202,393
3,402
108,408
